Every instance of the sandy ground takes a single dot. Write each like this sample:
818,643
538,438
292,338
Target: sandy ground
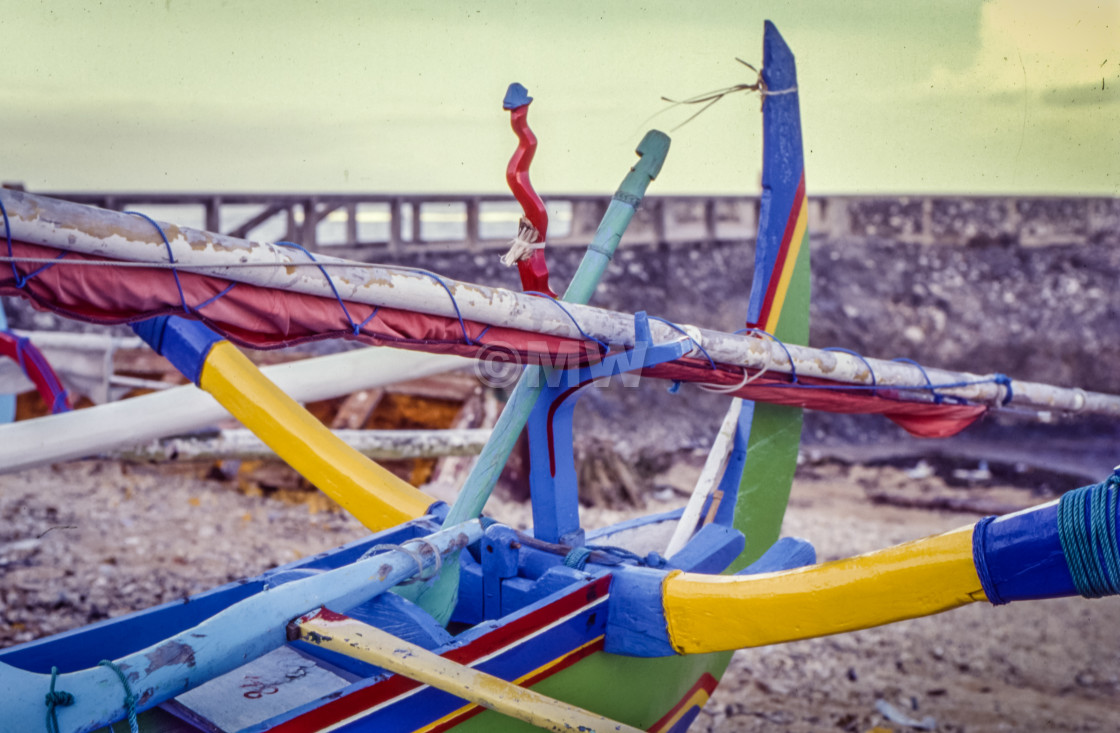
89,540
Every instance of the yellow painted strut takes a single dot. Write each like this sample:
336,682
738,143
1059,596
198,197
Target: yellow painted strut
376,497
706,613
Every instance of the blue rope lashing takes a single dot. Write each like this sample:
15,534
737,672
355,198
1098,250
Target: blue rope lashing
694,342
56,699
775,339
937,398
1087,529
129,697
620,553
859,356
21,280
1004,381
454,303
370,317
170,256
213,298
587,337
577,557
354,327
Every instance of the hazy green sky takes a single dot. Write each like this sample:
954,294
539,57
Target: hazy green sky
1017,96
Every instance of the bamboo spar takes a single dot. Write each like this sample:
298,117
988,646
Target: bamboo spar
97,232
180,409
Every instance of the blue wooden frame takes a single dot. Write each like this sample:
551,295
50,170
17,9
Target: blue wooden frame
552,476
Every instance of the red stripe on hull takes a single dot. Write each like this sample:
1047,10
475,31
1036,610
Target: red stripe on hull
504,636
707,683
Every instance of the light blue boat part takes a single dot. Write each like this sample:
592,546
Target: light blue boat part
223,642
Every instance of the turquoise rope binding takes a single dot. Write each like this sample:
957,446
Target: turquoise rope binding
1087,529
56,700
129,697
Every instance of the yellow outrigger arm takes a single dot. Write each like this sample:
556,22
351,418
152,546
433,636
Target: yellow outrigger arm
374,495
709,613
1066,547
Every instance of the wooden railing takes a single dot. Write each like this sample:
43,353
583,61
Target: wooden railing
367,226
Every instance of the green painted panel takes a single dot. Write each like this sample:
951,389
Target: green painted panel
775,436
626,689
767,478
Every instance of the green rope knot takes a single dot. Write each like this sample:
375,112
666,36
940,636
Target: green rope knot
1088,531
129,698
577,557
56,699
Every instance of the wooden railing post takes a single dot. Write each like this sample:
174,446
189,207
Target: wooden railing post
473,238
417,234
351,224
309,235
214,214
396,225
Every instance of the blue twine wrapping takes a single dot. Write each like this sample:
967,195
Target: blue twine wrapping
354,327
859,356
454,303
775,339
587,337
937,398
170,255
212,298
21,280
694,342
1004,381
1087,529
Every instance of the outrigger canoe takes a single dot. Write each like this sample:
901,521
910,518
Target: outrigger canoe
443,619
